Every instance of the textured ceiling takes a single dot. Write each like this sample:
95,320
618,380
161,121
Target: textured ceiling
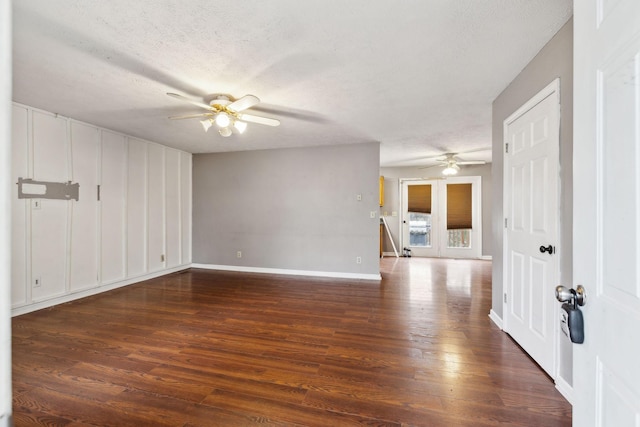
417,76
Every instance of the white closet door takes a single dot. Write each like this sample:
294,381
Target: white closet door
49,217
172,207
113,187
185,206
85,145
19,169
155,208
137,208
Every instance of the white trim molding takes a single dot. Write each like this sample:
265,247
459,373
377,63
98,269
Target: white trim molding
242,269
390,254
496,319
17,311
565,389
6,187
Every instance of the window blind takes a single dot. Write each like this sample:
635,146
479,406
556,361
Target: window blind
459,205
419,198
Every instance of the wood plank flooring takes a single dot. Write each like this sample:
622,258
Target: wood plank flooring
204,348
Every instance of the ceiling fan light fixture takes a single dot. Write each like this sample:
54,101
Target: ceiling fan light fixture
206,124
228,116
223,120
451,169
225,132
240,126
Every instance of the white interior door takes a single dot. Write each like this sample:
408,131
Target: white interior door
531,209
607,211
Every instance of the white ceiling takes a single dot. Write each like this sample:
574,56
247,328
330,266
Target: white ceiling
418,76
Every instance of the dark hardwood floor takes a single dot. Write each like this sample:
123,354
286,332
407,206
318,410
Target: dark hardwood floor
204,348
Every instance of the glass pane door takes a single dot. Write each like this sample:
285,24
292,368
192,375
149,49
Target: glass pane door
419,232
436,225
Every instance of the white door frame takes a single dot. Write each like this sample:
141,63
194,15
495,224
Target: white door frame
6,183
553,315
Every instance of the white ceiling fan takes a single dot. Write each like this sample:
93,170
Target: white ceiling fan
451,162
226,113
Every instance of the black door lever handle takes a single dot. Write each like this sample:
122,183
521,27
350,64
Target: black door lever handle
549,249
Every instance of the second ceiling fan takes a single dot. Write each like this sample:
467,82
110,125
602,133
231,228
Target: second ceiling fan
451,162
226,113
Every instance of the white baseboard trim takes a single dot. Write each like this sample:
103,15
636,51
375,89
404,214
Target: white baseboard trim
496,319
565,389
487,257
39,305
390,254
263,270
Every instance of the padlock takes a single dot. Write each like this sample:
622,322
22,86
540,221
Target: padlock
573,321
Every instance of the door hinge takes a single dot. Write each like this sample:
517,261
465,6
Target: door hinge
98,193
506,147
506,223
505,297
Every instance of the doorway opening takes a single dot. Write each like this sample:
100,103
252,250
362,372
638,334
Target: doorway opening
441,218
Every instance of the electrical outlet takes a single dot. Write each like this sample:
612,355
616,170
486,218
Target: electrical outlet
239,254
359,197
358,260
386,213
394,213
37,282
372,214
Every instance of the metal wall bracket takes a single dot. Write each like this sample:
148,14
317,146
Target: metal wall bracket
30,189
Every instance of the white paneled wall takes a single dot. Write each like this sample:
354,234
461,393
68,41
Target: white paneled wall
113,188
185,207
20,293
137,208
132,220
155,208
172,210
49,218
85,213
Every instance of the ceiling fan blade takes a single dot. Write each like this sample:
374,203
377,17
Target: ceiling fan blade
471,162
440,157
476,150
450,155
191,101
257,119
191,116
243,103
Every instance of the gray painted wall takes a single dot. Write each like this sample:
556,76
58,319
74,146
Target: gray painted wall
293,209
392,178
554,60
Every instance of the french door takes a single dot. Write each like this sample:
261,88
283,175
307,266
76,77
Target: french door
442,218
